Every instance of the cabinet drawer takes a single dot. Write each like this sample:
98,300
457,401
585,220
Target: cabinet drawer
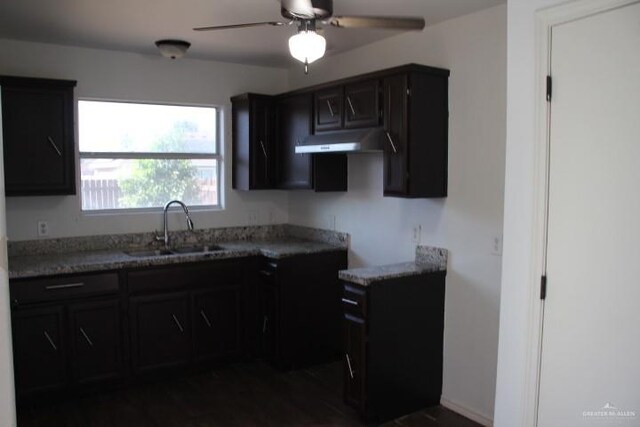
185,277
354,300
64,287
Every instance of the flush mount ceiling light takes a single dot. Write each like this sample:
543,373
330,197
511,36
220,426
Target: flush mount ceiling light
307,46
172,48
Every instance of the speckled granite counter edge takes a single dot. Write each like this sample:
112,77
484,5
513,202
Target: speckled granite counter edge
178,239
428,259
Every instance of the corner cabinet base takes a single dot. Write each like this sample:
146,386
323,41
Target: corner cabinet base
393,343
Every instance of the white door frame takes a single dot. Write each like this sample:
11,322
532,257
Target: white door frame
546,19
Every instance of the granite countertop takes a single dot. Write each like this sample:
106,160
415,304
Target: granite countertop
28,262
428,259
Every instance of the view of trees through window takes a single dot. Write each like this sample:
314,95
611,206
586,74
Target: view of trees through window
143,155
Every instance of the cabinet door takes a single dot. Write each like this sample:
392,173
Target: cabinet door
395,122
262,144
160,331
354,361
216,322
362,105
96,341
38,138
39,352
328,111
294,124
268,321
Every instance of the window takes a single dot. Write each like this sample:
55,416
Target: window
136,156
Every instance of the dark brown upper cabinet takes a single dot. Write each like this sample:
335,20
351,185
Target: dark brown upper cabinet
351,106
38,130
294,123
254,151
416,119
362,105
329,109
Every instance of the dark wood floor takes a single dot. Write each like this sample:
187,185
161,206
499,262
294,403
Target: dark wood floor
246,394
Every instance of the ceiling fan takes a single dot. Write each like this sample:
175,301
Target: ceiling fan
307,45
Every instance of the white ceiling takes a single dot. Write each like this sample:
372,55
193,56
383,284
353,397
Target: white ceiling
134,25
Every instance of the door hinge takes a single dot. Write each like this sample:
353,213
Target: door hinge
549,88
408,92
543,287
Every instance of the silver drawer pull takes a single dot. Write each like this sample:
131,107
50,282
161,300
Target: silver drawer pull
264,324
353,110
177,322
350,301
264,150
330,108
46,335
393,146
64,286
55,147
206,319
349,366
86,337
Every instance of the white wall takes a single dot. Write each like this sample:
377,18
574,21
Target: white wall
7,394
514,373
127,76
473,47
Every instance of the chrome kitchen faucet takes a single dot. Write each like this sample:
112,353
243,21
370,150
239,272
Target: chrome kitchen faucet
165,238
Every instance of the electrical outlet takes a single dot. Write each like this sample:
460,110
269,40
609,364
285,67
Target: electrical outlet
331,222
496,247
417,233
253,218
43,228
272,216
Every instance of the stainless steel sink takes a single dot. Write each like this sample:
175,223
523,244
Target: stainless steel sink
148,253
199,249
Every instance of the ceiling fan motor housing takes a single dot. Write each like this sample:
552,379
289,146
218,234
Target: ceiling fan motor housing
306,9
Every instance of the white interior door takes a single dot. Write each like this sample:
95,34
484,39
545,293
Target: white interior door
591,339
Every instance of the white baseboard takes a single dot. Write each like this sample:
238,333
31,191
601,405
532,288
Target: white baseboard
466,412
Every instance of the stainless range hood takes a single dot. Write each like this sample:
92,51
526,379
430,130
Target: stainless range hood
351,141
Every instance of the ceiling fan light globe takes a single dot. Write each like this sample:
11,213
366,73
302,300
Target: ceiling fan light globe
307,46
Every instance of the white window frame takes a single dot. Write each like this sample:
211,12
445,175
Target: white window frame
218,156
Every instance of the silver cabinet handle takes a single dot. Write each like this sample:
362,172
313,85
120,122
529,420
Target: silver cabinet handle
393,146
264,150
64,286
349,366
330,108
175,319
350,301
264,324
353,110
55,147
53,345
206,319
86,337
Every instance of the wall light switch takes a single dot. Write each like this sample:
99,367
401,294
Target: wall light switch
43,228
496,248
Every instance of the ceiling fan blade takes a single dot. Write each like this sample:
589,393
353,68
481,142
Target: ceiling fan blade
248,25
383,22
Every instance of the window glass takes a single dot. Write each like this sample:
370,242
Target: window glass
136,156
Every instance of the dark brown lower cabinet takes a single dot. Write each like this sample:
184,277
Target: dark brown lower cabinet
160,331
393,342
298,320
39,349
96,341
217,323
